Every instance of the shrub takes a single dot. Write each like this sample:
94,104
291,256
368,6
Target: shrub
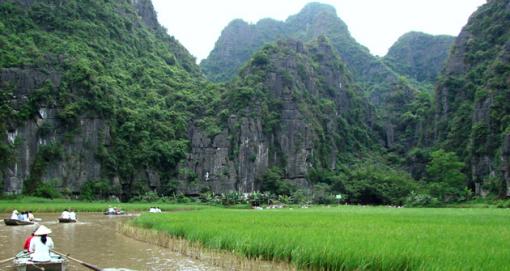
47,190
372,183
260,59
98,189
444,177
503,204
421,200
147,197
273,182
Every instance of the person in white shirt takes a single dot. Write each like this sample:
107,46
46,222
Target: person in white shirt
65,214
21,216
31,216
41,245
72,215
14,214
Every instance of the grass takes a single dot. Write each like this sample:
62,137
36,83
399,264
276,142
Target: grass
351,238
58,205
219,258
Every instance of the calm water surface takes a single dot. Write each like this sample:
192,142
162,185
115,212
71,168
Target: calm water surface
94,240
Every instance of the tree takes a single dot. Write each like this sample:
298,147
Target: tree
273,182
444,175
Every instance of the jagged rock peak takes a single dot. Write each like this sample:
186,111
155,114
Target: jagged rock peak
267,22
316,12
419,56
315,8
145,9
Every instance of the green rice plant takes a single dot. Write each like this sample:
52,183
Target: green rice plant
350,238
58,205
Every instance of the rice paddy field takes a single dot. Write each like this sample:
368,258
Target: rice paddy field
350,237
58,205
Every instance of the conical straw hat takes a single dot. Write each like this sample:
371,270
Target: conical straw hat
42,230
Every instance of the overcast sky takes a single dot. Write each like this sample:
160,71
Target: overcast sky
376,24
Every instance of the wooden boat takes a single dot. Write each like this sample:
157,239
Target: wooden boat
22,262
16,222
115,213
66,220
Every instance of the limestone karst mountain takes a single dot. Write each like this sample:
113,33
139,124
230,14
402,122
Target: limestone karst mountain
96,99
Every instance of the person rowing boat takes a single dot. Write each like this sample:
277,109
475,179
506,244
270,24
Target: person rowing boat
41,245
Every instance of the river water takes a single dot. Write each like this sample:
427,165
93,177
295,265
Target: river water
94,240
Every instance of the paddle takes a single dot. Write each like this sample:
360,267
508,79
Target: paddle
6,260
91,266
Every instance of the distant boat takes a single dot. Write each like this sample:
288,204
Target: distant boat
115,213
16,222
22,262
66,220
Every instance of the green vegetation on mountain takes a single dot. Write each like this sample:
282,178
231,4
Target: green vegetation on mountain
221,68
472,108
314,78
419,56
110,66
387,91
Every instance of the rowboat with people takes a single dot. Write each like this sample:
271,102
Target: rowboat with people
23,262
17,222
114,211
20,218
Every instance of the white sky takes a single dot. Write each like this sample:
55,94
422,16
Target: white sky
376,24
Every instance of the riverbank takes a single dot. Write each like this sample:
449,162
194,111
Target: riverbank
222,259
348,237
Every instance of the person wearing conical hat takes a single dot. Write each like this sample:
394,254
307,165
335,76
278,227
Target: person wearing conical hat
41,245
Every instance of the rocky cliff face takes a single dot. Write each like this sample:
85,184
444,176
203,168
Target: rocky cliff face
67,108
238,41
472,98
291,109
419,56
388,93
76,164
146,11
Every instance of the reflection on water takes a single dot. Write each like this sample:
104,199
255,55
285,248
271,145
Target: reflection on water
93,240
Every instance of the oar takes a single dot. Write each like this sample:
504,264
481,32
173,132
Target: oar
6,260
91,266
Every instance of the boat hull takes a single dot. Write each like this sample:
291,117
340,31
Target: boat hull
40,266
15,222
66,220
22,262
119,213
